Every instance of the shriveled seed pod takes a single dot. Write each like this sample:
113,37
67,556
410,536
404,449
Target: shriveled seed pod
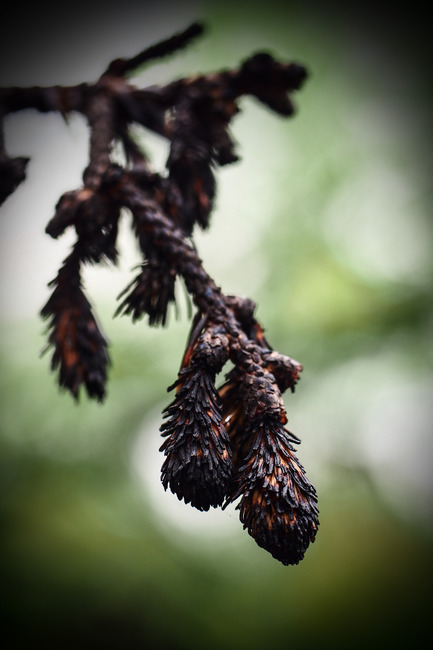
279,504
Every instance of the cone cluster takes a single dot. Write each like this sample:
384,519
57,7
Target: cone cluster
229,444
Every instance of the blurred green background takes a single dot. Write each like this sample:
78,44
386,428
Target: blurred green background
325,223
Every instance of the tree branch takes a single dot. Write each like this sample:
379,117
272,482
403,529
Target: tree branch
220,444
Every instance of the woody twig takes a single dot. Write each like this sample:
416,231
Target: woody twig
220,444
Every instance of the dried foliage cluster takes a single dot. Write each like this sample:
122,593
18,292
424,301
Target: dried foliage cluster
220,444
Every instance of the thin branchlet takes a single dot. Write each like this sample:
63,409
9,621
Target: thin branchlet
224,444
122,67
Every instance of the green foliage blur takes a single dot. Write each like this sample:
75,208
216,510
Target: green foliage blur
325,223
